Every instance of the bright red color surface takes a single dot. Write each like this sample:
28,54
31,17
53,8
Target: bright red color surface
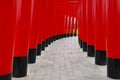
113,39
7,27
23,28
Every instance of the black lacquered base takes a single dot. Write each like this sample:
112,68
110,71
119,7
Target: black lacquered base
52,39
91,51
64,35
46,43
56,38
32,55
38,49
75,34
68,35
100,57
43,46
20,66
60,36
80,43
6,77
49,41
84,45
71,35
113,68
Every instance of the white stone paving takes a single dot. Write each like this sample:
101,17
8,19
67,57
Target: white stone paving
64,60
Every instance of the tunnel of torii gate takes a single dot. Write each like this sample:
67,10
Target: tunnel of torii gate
27,27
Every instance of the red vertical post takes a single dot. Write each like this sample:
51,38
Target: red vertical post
65,18
90,28
75,27
100,35
22,38
80,24
113,39
40,45
71,25
7,29
68,23
84,26
34,31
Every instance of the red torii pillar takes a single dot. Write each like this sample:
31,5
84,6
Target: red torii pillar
84,26
113,39
80,24
90,28
7,29
22,38
100,35
34,31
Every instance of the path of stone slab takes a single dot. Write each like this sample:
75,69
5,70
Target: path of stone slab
64,60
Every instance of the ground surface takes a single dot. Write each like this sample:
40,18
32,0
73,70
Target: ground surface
64,60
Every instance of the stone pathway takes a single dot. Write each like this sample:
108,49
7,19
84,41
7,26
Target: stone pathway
64,60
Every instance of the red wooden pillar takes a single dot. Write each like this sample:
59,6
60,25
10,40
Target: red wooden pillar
40,44
90,28
34,31
22,38
75,21
75,26
100,35
80,24
113,39
7,29
71,25
84,26
65,24
68,25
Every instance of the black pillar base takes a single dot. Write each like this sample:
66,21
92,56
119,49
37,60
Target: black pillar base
32,55
55,38
59,37
79,41
67,35
46,43
52,39
38,49
91,51
84,45
71,35
6,77
49,41
113,68
64,35
100,57
43,46
20,66
75,34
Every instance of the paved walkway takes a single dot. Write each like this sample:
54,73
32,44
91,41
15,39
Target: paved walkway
64,60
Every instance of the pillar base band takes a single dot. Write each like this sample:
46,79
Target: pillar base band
84,45
20,66
100,57
38,49
113,68
43,46
6,77
91,51
32,55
